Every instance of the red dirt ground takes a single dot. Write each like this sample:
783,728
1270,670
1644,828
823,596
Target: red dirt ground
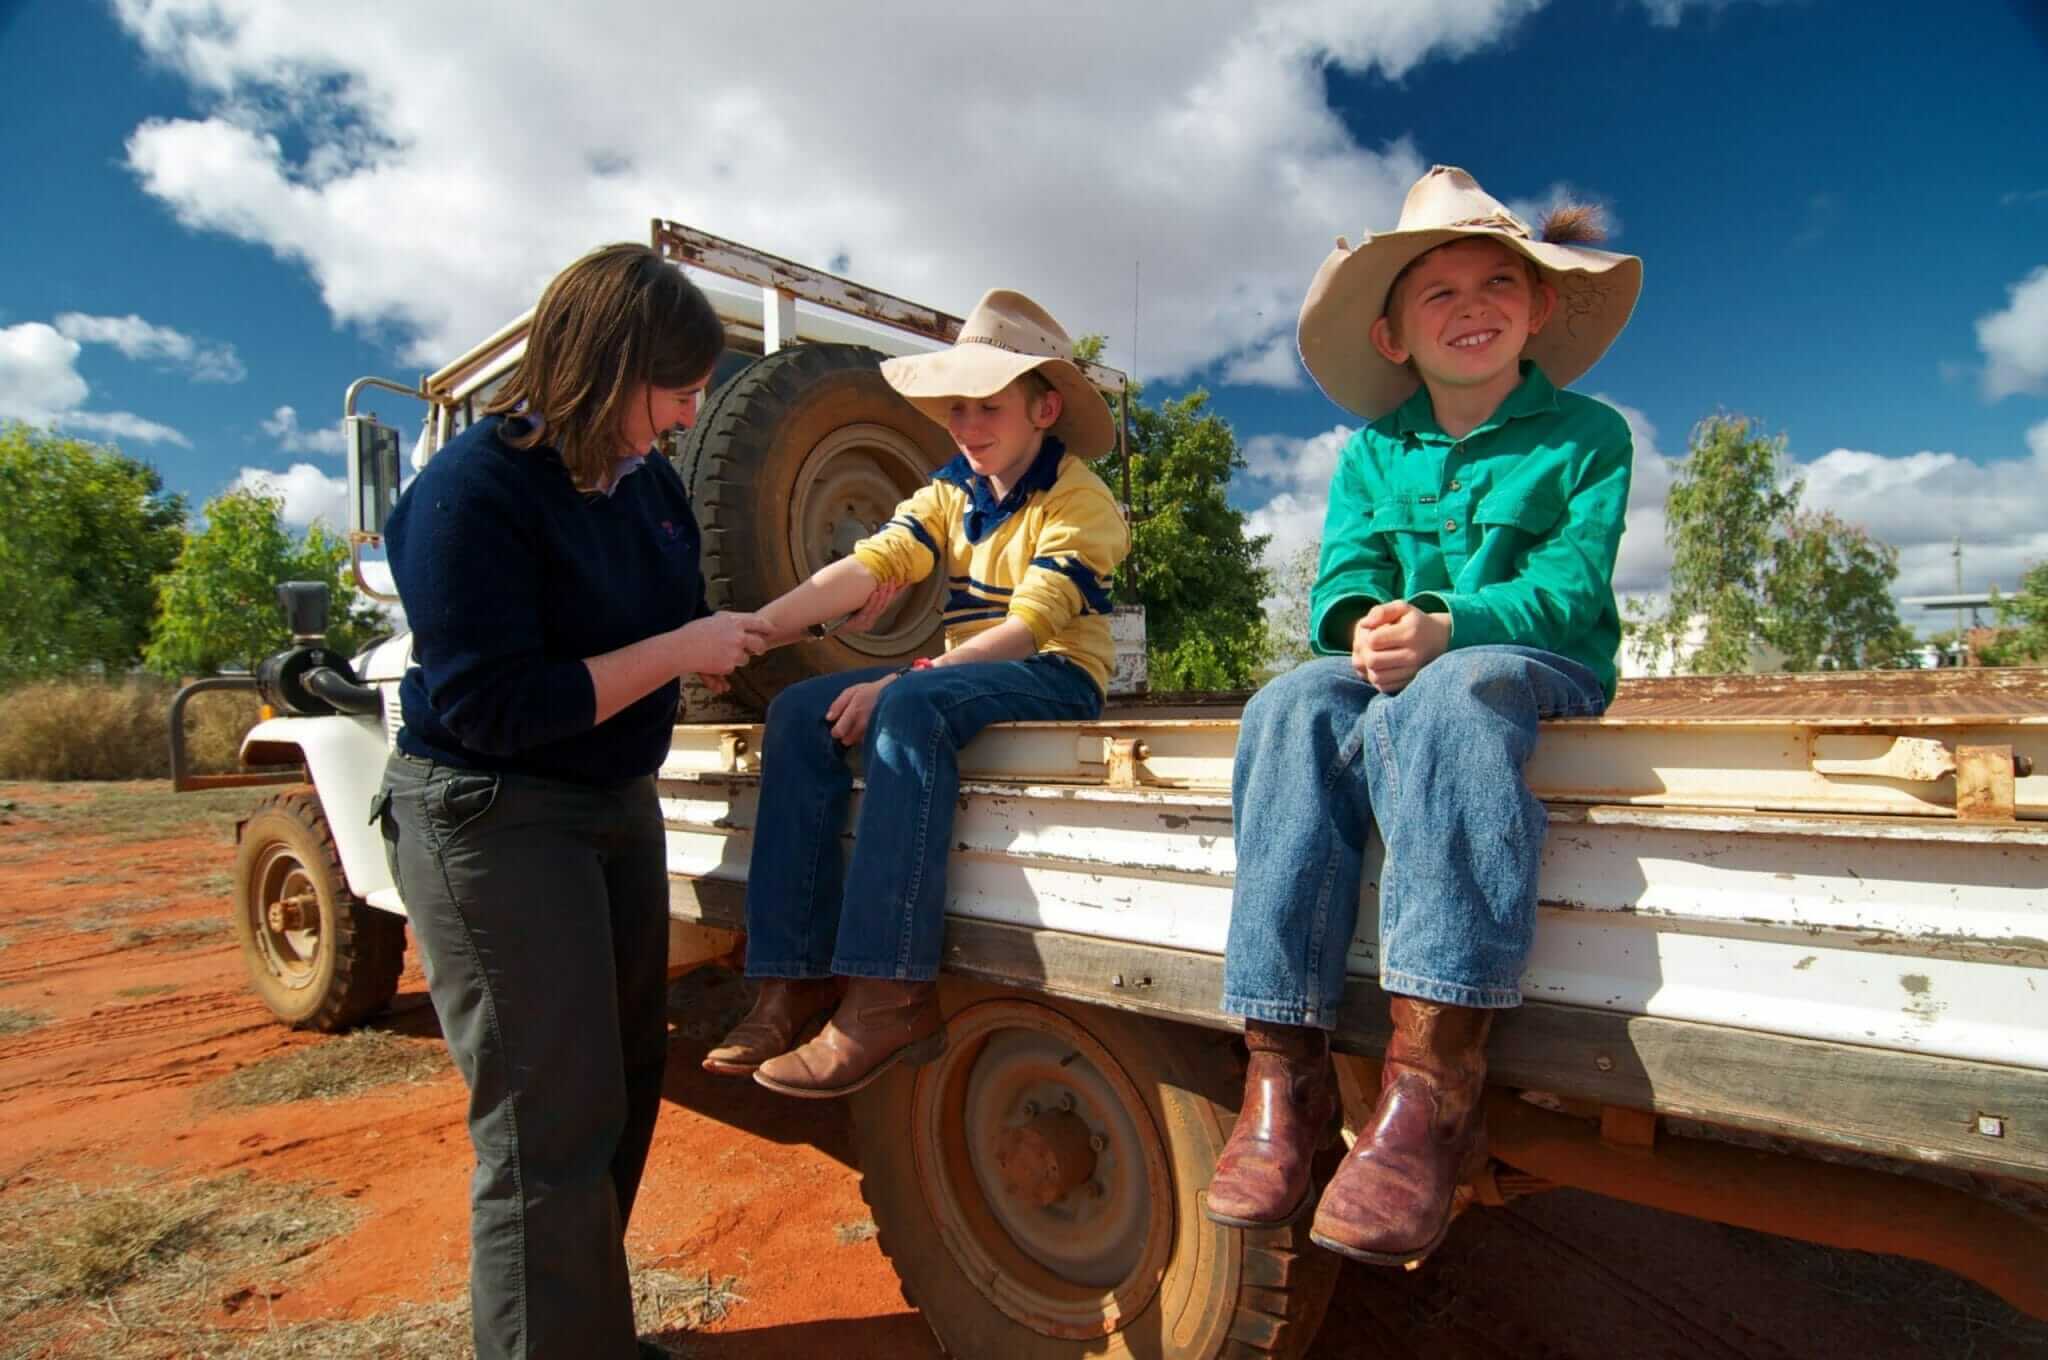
744,1183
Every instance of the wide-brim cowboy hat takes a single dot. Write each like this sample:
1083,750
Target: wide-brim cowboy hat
1006,336
1596,291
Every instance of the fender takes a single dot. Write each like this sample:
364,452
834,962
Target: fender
345,757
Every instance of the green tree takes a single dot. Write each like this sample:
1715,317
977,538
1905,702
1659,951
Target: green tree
2022,620
1730,496
1828,595
1287,619
84,532
218,605
1191,564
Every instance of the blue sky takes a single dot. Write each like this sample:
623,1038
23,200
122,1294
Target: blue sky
1841,207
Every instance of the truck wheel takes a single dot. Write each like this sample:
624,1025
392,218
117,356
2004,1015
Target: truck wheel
797,458
319,956
1037,1188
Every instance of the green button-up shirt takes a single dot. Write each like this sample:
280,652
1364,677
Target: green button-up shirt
1511,530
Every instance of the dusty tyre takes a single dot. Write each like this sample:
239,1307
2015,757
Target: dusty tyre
794,460
1038,1190
319,956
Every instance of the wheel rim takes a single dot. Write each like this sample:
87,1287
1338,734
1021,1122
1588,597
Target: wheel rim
284,917
1043,1169
849,485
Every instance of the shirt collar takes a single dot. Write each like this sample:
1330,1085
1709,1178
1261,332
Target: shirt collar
1532,396
621,468
984,511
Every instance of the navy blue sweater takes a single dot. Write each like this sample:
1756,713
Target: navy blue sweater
510,578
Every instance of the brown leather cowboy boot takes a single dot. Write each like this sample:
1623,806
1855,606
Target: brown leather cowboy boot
1390,1201
781,1009
880,1022
1290,1100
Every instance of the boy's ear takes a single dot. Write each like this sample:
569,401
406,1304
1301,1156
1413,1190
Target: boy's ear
1046,412
1383,340
1543,306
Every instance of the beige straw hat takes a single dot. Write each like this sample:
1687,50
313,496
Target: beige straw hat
1006,336
1596,291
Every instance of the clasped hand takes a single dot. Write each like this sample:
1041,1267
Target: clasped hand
1395,640
719,644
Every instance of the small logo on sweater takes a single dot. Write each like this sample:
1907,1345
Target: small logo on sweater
668,529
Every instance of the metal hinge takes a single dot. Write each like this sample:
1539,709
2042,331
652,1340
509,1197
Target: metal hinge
1118,756
1984,775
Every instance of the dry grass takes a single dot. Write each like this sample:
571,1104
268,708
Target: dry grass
849,1234
98,729
333,1069
122,1270
147,989
128,814
14,1020
177,934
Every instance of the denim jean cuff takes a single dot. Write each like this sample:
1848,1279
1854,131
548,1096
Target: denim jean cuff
889,972
1280,1012
1449,993
798,971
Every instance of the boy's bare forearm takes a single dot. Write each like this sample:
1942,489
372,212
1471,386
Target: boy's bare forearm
1010,640
832,592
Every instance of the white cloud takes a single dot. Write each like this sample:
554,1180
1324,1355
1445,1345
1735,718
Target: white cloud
1276,363
308,494
40,385
938,156
283,426
2037,443
204,360
1670,13
2015,341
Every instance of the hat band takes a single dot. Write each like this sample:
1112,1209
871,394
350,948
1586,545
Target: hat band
1004,345
1498,221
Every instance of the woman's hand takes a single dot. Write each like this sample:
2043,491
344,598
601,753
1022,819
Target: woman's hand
849,713
878,602
721,643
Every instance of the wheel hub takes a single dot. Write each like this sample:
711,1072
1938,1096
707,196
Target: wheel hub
848,487
284,909
1041,1164
1047,1159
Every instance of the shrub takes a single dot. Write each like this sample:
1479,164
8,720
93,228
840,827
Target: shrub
98,729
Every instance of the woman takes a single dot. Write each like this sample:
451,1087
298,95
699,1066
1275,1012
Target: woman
549,571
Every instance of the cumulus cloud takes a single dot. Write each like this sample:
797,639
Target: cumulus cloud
283,426
1671,13
307,493
1277,363
435,197
2015,340
203,360
40,385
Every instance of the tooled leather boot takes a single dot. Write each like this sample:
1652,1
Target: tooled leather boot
1390,1201
880,1022
1290,1103
781,1009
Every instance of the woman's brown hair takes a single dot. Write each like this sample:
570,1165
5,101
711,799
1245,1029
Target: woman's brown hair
618,318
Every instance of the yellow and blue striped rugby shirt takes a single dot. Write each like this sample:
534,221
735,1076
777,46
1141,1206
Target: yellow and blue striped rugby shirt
1043,554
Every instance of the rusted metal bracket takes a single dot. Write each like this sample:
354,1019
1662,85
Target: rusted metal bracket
735,753
1624,1127
1985,777
1118,756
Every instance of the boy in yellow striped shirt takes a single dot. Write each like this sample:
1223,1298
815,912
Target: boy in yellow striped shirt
1028,537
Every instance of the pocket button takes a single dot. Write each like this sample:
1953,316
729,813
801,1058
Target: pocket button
1450,526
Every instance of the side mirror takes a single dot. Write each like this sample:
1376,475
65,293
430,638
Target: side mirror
305,609
372,474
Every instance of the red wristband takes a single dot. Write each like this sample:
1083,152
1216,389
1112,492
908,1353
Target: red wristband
923,663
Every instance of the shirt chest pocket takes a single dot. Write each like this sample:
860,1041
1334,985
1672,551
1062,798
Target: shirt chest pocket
1406,517
1535,514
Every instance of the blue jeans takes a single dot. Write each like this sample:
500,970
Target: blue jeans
887,921
1322,756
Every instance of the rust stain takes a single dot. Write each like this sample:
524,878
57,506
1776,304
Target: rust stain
1805,963
1970,695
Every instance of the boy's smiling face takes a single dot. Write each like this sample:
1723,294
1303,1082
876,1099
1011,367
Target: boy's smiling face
1001,434
1463,312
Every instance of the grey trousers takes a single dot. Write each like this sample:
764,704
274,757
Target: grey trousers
541,910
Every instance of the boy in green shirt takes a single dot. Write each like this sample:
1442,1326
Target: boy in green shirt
1465,592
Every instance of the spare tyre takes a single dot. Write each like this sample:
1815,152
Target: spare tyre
795,459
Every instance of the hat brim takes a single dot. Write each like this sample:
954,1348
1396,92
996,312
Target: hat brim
1596,292
932,382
